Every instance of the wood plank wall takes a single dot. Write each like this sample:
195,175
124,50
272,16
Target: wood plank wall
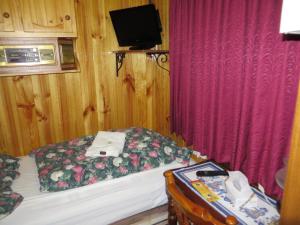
40,109
291,195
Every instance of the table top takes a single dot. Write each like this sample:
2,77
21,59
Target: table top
261,210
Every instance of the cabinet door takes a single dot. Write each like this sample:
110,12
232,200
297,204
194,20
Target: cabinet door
48,16
6,15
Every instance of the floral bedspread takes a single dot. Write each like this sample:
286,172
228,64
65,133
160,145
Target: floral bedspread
64,165
9,200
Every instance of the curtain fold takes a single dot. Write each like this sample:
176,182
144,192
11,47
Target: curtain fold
234,82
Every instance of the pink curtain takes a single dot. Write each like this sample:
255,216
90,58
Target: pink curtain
233,83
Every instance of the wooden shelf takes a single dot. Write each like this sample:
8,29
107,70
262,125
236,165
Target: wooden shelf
160,56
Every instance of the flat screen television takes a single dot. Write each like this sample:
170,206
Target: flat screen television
138,27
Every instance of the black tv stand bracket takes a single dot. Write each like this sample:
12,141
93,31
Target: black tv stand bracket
160,56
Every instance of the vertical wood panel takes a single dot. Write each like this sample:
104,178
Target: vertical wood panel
41,93
291,195
140,100
25,108
40,109
55,116
163,7
88,37
150,91
8,126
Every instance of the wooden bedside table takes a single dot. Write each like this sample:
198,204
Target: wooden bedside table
189,200
184,197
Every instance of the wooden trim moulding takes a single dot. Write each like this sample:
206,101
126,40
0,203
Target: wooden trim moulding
291,197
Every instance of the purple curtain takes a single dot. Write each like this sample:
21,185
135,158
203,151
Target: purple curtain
234,81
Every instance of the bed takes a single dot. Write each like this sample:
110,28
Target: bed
103,202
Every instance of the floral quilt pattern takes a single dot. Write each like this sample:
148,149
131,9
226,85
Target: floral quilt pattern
8,162
9,200
64,165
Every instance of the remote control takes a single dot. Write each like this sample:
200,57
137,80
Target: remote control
207,173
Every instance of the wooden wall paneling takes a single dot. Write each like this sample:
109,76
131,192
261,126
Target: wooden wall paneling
87,46
14,119
126,81
157,92
135,84
161,84
72,107
291,196
3,140
109,39
166,100
63,110
119,99
127,86
99,31
163,7
110,84
121,91
98,34
113,87
41,94
150,90
106,86
140,98
121,107
106,69
162,78
133,3
122,95
162,98
156,104
69,98
25,107
56,107
4,125
10,135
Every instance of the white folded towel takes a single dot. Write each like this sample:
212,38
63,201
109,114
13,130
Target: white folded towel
107,144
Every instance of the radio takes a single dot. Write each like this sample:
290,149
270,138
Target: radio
20,55
31,56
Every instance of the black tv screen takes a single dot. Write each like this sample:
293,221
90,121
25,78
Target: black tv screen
138,27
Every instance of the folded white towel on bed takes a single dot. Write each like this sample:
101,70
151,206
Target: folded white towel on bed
107,144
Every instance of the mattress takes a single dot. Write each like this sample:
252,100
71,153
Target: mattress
101,203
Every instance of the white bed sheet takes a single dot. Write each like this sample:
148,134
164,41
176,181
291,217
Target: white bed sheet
100,204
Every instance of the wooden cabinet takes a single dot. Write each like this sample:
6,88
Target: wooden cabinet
55,16
37,18
6,16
